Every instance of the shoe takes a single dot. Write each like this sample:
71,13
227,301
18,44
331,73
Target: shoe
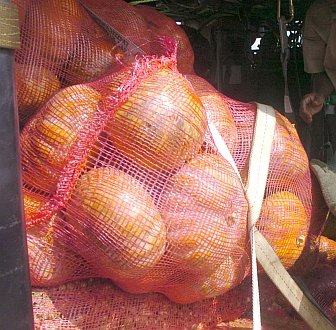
326,176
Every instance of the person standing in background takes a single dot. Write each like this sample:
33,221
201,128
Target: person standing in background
319,54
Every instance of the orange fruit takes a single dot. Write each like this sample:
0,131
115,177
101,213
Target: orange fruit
124,232
289,164
289,161
206,181
153,280
183,293
51,261
217,110
205,210
284,222
191,288
327,250
219,114
47,141
123,17
228,275
201,86
52,28
91,59
34,86
200,241
161,125
32,203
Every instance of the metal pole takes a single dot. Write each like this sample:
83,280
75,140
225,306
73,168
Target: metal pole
15,292
219,60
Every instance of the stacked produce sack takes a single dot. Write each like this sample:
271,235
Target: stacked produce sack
122,179
62,45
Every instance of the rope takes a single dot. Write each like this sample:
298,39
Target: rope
123,43
9,26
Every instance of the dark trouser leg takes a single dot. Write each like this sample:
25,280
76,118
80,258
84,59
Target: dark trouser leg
330,123
317,137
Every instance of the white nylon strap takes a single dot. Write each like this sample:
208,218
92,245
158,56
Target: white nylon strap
222,147
258,170
259,160
261,250
287,104
288,287
255,188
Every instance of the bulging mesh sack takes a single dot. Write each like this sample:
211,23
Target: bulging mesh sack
117,163
144,26
122,179
293,205
62,45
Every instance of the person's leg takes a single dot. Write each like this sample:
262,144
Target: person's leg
317,128
326,175
331,128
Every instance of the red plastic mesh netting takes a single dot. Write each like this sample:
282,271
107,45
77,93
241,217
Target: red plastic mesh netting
62,45
97,304
160,26
117,161
145,26
122,180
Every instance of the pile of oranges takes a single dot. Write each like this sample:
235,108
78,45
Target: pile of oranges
122,179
